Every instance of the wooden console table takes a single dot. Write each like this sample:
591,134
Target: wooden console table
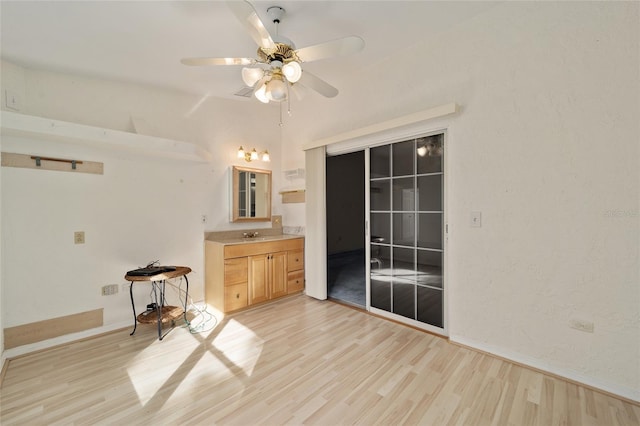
165,313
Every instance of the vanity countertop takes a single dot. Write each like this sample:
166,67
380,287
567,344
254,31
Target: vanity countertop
258,239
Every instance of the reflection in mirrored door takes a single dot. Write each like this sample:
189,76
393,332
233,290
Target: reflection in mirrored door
406,217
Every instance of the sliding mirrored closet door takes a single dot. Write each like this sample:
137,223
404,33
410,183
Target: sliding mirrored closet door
406,217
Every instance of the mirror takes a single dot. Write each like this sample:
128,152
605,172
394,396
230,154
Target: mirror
251,190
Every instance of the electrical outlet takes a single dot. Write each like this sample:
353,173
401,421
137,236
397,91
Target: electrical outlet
582,325
204,218
78,237
109,289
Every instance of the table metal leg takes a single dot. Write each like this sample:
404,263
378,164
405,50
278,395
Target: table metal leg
186,300
133,306
155,285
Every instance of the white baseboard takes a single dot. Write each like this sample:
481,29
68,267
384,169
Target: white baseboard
613,388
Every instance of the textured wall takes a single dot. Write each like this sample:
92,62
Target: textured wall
44,275
546,147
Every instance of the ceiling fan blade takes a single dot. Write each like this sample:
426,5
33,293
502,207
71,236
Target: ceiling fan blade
218,61
340,47
248,16
297,91
312,82
260,83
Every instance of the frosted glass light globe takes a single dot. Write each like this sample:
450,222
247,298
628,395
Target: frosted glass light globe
250,76
276,90
261,94
292,71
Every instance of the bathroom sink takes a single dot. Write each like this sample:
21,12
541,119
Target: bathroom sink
248,240
258,239
252,239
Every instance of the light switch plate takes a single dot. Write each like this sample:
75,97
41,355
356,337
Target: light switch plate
78,237
11,100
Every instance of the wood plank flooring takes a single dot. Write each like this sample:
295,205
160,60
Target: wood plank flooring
295,361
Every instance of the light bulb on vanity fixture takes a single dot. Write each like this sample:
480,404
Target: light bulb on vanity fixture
427,147
252,155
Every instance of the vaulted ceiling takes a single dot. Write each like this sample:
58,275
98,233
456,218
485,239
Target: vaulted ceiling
143,41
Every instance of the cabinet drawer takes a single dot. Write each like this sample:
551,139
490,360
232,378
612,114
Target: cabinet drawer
235,271
295,281
235,297
295,261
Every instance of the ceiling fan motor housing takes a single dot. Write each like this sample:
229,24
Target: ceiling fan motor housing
282,52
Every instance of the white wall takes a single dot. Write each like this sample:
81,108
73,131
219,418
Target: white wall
142,209
546,147
1,287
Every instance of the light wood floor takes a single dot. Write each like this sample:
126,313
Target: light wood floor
295,361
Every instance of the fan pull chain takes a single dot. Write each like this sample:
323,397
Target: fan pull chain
281,135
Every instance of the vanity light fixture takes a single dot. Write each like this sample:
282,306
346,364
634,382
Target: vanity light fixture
249,156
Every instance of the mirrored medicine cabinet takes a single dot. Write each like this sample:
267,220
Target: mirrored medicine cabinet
251,194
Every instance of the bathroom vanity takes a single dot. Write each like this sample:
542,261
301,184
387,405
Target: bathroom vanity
244,272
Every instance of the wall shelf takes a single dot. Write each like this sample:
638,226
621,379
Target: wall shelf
293,196
14,124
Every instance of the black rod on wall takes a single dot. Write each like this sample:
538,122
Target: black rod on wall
59,160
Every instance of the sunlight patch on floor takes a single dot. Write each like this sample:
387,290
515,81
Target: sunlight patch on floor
207,371
239,345
149,372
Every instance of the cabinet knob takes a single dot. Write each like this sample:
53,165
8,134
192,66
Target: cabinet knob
238,296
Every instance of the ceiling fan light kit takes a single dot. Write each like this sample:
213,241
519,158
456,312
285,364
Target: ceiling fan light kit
279,54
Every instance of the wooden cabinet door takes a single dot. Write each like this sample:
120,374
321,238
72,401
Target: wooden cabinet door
278,274
258,278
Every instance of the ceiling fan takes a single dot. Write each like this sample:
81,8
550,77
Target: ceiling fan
278,65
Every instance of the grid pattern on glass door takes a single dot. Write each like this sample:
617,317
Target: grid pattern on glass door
406,217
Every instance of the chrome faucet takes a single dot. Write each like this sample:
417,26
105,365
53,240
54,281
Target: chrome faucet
250,234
